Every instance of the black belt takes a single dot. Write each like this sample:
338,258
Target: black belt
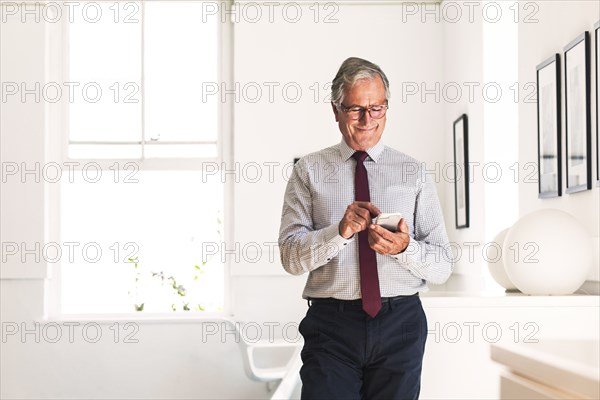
357,302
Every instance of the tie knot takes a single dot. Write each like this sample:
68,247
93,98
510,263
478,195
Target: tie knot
360,155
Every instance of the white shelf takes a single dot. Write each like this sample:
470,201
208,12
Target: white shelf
457,299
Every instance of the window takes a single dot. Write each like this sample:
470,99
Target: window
138,211
140,80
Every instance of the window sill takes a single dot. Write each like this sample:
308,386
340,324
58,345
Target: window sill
24,271
154,318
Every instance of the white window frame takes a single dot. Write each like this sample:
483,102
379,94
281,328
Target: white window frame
57,145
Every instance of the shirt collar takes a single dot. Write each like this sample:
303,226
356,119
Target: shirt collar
374,152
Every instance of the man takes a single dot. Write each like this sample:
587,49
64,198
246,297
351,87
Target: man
365,329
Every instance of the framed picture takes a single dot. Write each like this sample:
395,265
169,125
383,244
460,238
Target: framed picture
578,119
548,118
597,35
461,171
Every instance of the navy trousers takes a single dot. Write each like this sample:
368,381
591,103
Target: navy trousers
349,355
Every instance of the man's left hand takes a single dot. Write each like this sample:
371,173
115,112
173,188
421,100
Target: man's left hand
386,242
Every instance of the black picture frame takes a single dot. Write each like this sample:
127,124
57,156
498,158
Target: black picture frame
549,128
461,171
597,35
578,124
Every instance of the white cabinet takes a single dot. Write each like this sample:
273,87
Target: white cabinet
552,369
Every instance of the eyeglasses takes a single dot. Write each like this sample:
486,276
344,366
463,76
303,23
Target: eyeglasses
376,112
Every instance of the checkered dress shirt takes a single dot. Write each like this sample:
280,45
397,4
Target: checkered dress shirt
319,191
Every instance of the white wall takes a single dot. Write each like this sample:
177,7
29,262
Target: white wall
22,204
537,42
463,66
542,31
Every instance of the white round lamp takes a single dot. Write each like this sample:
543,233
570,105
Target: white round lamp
547,252
496,265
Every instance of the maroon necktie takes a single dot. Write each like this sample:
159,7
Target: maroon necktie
369,281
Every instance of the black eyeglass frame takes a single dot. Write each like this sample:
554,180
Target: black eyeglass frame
361,110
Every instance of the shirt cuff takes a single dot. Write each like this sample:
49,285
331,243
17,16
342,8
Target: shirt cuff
411,256
334,239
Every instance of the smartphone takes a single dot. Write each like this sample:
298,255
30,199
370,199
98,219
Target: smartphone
389,221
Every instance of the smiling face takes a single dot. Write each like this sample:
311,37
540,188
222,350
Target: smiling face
365,132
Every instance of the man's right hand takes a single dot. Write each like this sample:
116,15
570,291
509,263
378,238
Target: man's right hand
358,217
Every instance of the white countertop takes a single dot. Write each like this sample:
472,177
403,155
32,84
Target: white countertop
568,365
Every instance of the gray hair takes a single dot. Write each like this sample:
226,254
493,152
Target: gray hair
352,70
